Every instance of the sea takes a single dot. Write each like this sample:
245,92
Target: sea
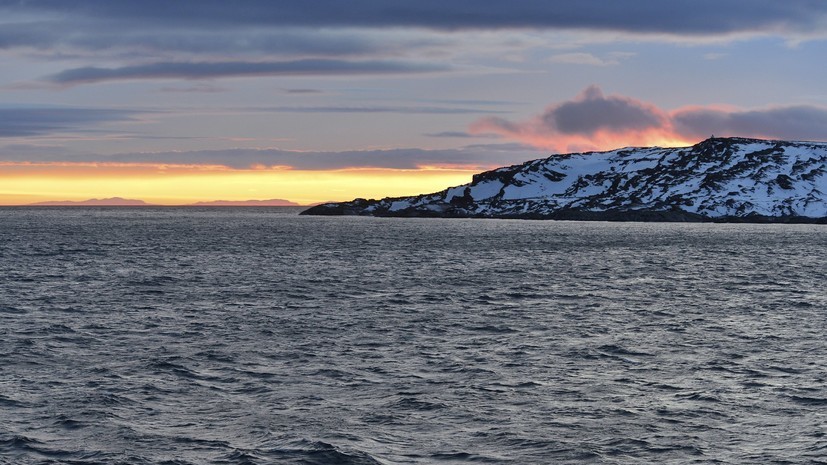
258,336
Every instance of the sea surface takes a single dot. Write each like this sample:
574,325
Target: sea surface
257,336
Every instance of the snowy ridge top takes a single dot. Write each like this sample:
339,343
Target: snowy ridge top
716,178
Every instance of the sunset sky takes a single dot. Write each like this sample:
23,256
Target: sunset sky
175,102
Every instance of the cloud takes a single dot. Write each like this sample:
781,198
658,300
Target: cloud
476,102
591,112
38,121
653,16
210,39
590,120
477,157
413,110
211,70
593,121
25,152
798,122
80,35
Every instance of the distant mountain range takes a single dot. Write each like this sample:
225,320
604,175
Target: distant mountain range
110,202
121,202
719,179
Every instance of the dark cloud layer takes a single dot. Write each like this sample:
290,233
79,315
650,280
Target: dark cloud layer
479,157
95,37
799,122
659,16
405,110
194,39
207,70
41,121
592,112
26,122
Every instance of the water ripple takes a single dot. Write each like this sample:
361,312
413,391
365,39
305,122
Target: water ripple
255,336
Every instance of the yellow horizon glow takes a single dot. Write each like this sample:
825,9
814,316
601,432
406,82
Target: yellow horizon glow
24,183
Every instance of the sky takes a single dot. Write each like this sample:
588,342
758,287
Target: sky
187,101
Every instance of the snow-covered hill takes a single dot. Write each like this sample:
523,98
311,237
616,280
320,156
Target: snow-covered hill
717,179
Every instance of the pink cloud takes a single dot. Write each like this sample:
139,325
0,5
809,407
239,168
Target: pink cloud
594,121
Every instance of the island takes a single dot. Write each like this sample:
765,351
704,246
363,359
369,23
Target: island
731,179
109,202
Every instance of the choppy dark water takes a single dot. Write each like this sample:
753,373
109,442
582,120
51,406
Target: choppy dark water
251,336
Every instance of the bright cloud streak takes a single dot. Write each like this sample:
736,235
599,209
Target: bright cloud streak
210,70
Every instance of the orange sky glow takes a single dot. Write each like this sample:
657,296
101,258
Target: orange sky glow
25,183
